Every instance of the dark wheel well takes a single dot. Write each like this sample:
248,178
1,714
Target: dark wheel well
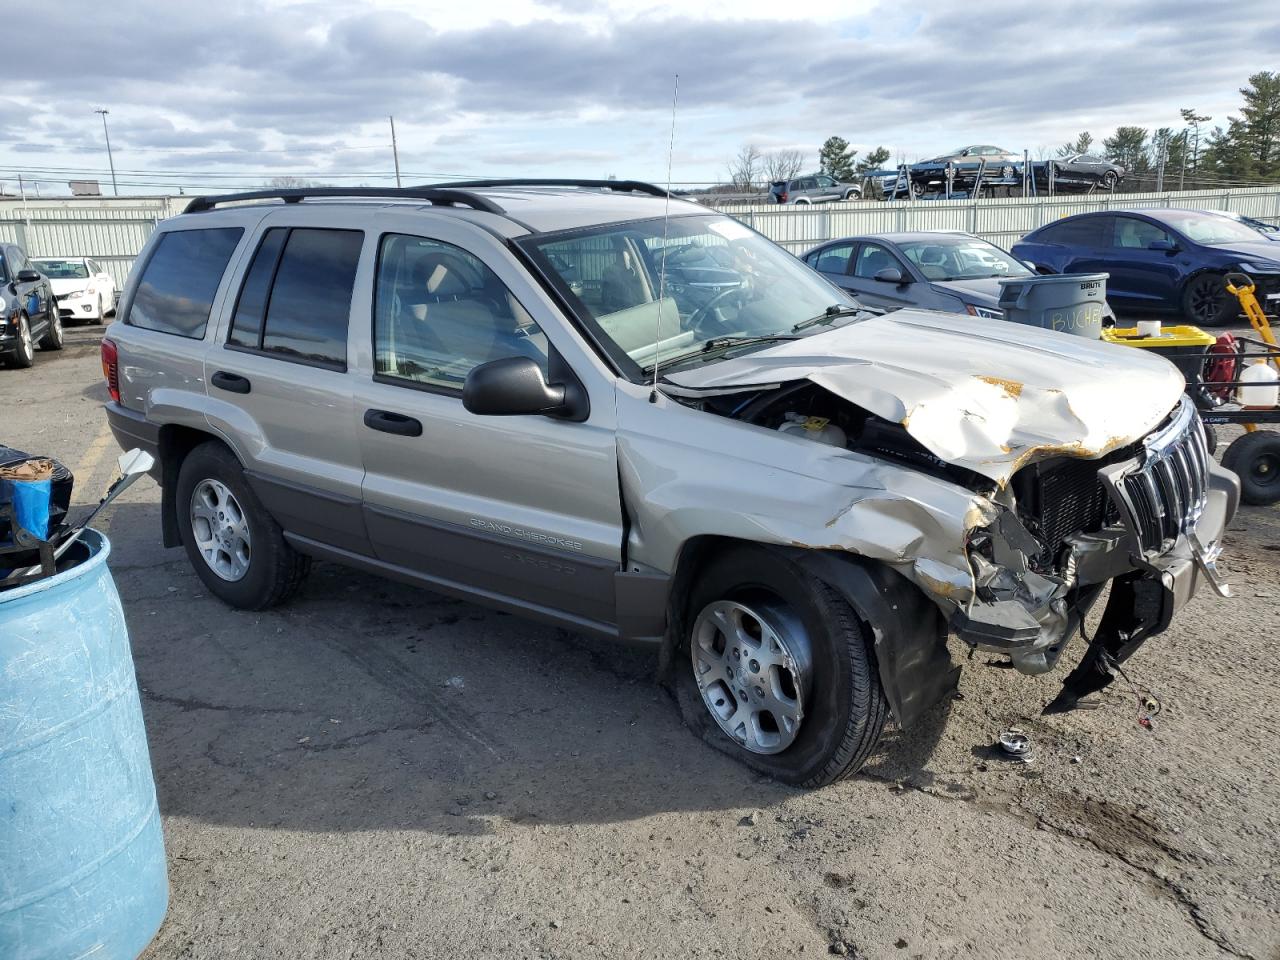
176,441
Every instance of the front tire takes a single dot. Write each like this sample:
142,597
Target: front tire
236,547
779,670
1206,303
1109,180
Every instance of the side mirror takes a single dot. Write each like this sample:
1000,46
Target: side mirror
515,386
1168,246
890,275
29,276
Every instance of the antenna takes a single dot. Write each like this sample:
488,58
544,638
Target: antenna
662,269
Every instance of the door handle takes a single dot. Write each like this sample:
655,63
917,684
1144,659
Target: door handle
232,382
388,422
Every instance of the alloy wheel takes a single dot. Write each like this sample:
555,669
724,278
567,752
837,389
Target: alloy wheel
220,529
1205,299
26,347
750,663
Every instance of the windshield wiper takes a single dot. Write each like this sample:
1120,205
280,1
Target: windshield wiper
718,344
826,316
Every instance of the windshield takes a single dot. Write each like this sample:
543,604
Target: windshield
723,280
1210,228
961,258
63,269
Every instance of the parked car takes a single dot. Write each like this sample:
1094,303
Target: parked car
28,311
84,290
1087,168
1159,261
490,390
954,272
815,188
966,160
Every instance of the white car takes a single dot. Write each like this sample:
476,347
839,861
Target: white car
84,290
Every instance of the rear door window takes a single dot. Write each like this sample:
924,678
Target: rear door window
177,286
296,298
833,259
1085,232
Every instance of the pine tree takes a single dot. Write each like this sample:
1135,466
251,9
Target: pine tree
835,158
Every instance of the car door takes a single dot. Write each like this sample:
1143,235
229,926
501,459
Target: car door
280,388
868,260
522,510
103,283
832,262
827,188
1140,277
35,296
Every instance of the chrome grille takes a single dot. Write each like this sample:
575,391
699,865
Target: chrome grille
1166,493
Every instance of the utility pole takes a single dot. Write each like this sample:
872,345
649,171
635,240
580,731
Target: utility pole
395,153
115,190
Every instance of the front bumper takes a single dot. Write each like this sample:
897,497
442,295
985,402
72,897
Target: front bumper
83,307
1170,505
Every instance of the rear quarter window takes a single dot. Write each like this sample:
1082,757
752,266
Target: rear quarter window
176,290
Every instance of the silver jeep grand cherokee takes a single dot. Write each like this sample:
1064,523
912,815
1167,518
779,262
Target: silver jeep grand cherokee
611,410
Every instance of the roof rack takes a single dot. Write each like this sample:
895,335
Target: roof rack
443,196
620,186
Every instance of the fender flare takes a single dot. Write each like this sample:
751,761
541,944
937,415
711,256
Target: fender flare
908,630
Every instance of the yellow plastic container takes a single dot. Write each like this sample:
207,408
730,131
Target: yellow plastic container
1169,337
1184,347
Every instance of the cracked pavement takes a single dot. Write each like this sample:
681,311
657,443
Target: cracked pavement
374,770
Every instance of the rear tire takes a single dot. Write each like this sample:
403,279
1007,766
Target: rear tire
1109,180
841,705
853,195
1206,303
1255,459
274,570
53,337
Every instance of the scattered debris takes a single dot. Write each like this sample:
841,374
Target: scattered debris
839,948
750,819
1076,758
901,943
490,795
457,683
1016,744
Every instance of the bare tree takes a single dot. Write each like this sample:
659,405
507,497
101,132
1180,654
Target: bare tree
744,169
288,183
782,164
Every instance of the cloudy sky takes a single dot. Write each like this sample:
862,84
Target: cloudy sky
232,93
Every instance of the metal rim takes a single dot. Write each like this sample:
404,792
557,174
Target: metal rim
25,344
1206,299
1109,179
1265,469
55,329
751,664
220,529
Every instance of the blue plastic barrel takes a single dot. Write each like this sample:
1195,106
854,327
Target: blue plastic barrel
82,867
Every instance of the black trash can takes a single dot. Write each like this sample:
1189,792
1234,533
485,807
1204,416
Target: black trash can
1068,303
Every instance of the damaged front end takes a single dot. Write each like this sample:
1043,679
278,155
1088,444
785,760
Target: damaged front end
1147,519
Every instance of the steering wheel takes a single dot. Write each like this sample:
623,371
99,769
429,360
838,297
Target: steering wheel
709,311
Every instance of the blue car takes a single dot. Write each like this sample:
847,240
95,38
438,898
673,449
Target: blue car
1160,261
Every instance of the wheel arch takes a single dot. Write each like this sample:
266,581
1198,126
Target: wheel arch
908,631
176,441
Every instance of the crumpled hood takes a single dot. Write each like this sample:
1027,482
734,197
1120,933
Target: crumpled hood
986,395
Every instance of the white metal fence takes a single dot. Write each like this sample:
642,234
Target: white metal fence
113,230
1002,220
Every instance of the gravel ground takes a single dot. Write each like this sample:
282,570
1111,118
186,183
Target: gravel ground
374,770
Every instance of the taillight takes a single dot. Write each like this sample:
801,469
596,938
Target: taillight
110,370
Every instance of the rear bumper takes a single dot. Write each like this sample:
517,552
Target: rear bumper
132,429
